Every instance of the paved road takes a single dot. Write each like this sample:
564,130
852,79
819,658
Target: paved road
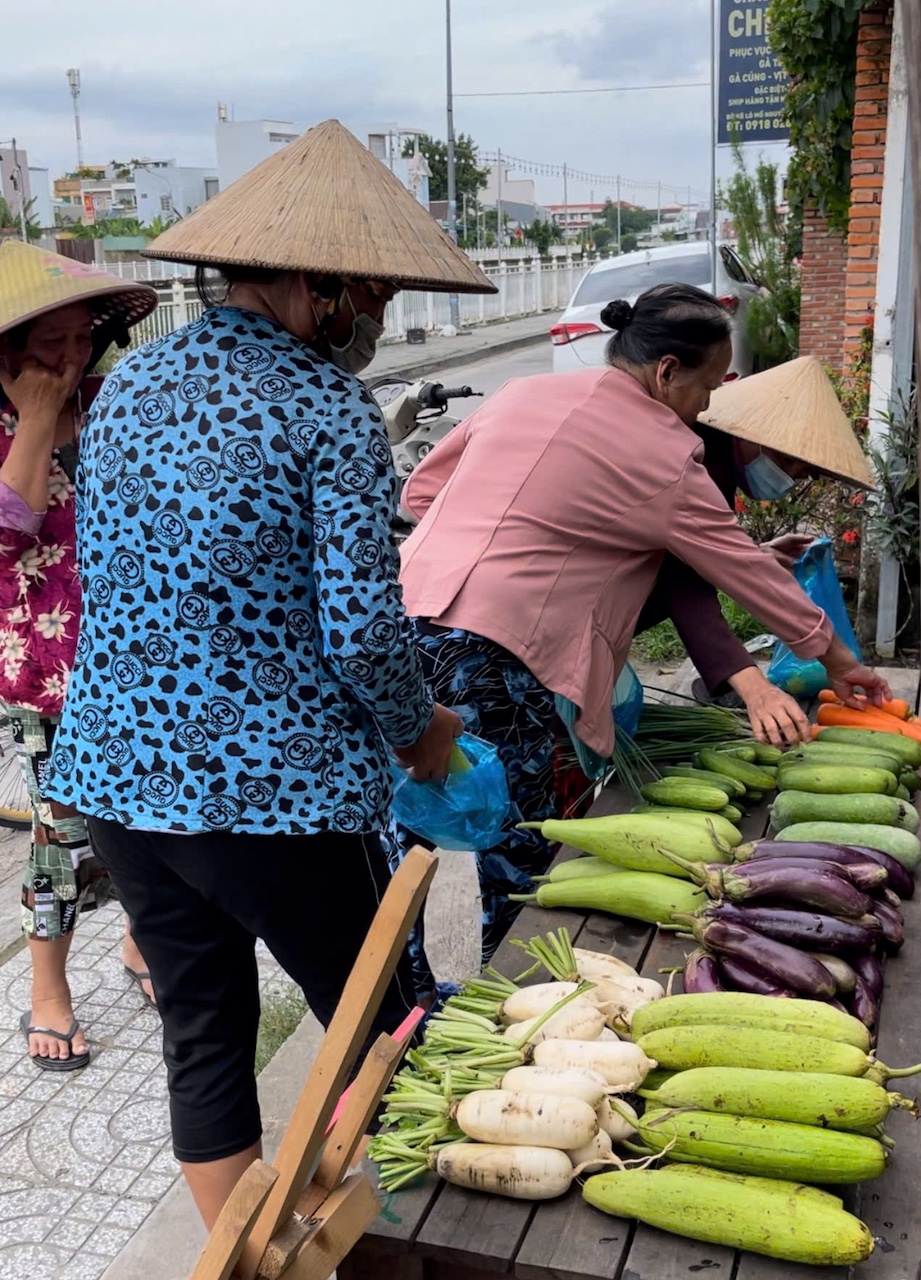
489,375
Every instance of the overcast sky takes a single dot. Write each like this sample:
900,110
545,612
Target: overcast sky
153,76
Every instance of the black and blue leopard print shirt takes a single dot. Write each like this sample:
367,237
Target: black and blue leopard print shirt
244,658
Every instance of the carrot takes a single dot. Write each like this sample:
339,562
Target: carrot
894,707
849,718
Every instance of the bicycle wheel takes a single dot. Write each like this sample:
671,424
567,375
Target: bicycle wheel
15,805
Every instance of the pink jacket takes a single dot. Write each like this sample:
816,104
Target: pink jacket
543,521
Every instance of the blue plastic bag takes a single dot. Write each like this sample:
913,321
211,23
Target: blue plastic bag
816,574
627,705
465,811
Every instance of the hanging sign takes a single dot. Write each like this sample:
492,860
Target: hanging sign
752,82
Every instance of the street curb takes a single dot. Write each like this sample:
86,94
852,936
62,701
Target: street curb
423,367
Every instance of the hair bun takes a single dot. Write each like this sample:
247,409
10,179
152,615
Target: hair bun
618,314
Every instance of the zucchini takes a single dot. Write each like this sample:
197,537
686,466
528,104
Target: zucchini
759,1215
742,750
751,777
683,791
718,780
765,1148
907,749
830,779
765,754
805,806
901,845
826,755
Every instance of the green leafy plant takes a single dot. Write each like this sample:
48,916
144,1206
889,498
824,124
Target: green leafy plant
753,201
816,40
894,515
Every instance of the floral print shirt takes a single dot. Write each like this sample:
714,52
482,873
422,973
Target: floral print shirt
39,589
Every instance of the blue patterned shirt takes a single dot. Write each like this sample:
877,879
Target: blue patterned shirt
244,657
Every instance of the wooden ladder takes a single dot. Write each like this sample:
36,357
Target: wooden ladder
300,1217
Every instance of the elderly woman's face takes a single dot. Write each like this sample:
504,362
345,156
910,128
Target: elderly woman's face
361,297
687,391
59,340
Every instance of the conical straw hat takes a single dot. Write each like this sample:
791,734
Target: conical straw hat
794,410
326,205
33,281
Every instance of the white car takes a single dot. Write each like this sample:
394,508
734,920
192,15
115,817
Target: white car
579,338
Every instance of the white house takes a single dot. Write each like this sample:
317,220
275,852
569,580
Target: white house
242,144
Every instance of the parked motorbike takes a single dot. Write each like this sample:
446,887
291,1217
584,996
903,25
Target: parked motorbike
416,418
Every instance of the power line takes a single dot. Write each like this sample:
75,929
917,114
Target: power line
544,169
614,88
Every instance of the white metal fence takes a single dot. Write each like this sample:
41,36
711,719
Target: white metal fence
527,287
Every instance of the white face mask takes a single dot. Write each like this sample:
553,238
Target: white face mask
361,346
766,480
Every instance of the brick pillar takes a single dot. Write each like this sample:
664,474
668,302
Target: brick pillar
874,48
824,275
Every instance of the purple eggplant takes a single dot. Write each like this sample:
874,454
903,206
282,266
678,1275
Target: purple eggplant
900,879
804,885
868,877
739,975
893,926
870,971
701,974
863,1005
807,929
791,969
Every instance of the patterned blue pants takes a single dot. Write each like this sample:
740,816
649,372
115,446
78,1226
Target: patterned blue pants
500,701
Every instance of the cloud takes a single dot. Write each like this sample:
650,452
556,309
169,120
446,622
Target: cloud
655,42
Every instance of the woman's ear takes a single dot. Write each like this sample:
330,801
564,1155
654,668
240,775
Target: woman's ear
665,372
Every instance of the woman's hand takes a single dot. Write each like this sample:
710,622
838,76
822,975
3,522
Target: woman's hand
775,716
846,675
428,758
788,549
39,393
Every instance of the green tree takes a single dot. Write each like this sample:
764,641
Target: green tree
108,227
10,224
157,226
633,222
543,234
470,176
752,200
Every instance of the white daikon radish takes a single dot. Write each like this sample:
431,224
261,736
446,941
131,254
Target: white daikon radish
575,1083
617,1127
595,965
594,1156
623,1065
578,1021
608,1034
523,1173
528,1119
533,1002
619,1000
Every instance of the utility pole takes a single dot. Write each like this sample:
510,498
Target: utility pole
73,79
659,213
713,139
566,205
453,300
23,230
618,213
500,238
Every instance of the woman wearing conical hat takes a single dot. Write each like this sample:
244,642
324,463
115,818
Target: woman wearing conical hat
57,318
762,435
246,668
544,520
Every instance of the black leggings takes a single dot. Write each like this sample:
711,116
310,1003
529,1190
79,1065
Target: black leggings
197,905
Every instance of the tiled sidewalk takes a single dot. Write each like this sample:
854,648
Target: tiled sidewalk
84,1156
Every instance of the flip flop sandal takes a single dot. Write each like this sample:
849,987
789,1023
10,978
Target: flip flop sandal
139,977
76,1060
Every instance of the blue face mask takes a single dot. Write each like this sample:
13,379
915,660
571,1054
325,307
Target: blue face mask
765,480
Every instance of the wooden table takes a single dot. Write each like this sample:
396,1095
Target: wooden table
437,1232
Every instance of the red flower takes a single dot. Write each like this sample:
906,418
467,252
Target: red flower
740,505
850,536
857,499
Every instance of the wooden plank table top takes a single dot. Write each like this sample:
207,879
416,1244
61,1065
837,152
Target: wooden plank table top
437,1232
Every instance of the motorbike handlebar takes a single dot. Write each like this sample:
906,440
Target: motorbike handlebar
438,396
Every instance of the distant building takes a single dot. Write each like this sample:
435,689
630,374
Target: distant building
387,143
168,191
242,144
576,217
42,204
153,189
15,187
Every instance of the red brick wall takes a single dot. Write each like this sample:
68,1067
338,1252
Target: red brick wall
824,279
874,47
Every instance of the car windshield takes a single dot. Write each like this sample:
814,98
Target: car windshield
631,281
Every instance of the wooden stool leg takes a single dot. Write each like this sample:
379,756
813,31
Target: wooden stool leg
231,1231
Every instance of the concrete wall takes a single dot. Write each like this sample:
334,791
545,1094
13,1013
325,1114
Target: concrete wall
43,208
172,187
9,178
242,144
